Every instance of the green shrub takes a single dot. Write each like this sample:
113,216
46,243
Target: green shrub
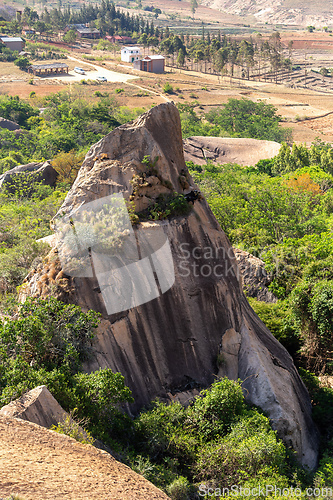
276,317
216,409
48,333
157,429
166,206
74,429
168,89
179,489
250,447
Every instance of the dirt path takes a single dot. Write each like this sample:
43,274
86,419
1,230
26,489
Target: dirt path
92,73
39,464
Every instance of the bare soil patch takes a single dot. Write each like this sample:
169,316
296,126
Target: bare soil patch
301,109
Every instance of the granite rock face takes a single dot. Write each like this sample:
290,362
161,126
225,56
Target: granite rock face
173,343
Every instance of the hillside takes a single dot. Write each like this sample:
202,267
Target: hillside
291,12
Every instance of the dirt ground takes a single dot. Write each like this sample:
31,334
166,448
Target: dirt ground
39,464
305,111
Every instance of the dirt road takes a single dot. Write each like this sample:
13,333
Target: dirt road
92,73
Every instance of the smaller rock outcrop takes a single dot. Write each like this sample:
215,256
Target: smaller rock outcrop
8,124
221,150
37,406
254,276
42,172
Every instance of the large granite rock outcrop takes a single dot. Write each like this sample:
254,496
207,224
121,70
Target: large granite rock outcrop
176,341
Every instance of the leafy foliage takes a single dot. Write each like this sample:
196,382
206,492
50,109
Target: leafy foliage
47,344
74,428
23,221
13,108
166,206
245,118
237,118
218,439
48,334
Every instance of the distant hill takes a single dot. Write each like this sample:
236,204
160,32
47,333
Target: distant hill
7,12
292,12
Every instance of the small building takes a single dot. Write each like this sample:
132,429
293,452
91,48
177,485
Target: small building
119,39
13,43
151,64
83,31
48,69
92,33
130,54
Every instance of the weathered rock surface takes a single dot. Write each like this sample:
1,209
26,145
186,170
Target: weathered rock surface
175,342
221,150
42,172
40,464
254,276
8,124
37,406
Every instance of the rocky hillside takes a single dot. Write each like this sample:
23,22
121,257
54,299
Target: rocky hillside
281,12
173,311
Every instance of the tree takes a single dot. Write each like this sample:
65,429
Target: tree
245,118
22,62
70,36
194,6
180,58
143,40
323,72
67,165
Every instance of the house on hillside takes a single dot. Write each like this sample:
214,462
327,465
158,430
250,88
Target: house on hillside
13,43
92,33
151,64
130,54
121,40
84,31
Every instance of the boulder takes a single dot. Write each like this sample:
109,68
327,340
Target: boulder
176,317
37,406
41,172
255,279
8,124
221,150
